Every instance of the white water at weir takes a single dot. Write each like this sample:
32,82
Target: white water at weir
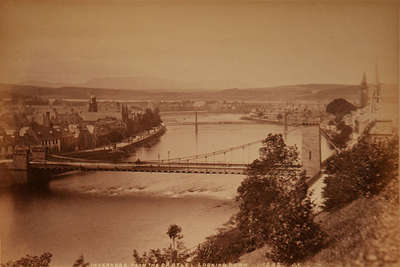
105,215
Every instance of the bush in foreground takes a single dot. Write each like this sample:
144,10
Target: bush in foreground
362,171
174,254
31,261
224,247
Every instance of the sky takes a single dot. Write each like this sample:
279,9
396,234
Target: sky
198,44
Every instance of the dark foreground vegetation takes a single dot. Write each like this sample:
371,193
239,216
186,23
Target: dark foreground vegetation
361,171
41,261
361,209
275,210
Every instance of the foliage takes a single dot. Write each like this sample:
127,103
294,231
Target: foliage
224,247
340,107
31,261
142,122
274,153
274,207
114,136
294,235
175,253
174,232
80,262
343,137
362,171
259,191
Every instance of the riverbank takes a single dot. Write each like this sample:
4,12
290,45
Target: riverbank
260,120
103,241
118,150
117,211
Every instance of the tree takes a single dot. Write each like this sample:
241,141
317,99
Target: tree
174,232
175,253
340,107
225,247
294,234
144,121
31,261
274,207
343,136
259,191
362,171
80,262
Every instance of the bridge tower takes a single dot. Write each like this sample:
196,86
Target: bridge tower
38,153
311,149
21,158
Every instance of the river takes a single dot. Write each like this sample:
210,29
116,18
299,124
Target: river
105,215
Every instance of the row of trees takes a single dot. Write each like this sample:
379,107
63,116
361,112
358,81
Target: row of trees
143,122
140,123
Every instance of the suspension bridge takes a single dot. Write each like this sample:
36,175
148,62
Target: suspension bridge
205,163
37,160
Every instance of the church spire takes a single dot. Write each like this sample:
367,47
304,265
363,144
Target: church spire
364,91
364,79
377,74
378,84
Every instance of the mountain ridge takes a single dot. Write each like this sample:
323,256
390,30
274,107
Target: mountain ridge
299,92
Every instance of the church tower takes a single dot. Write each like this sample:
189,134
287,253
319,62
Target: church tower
378,85
92,104
364,92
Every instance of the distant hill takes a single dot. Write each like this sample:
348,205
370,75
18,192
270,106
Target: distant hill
142,82
308,92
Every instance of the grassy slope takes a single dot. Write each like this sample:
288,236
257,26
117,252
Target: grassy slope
367,231
364,233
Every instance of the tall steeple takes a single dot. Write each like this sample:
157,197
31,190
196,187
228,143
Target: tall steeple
378,84
364,79
363,91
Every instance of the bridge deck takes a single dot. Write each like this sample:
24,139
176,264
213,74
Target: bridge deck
173,167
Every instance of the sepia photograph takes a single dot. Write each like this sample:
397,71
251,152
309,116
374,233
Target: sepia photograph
225,133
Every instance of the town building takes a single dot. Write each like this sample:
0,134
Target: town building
50,138
381,130
7,144
95,113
